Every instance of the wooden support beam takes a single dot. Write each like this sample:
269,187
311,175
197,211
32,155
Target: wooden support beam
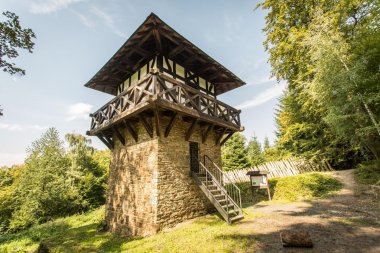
110,140
217,141
147,126
157,39
205,133
213,76
226,138
131,130
157,121
119,135
176,50
189,60
191,129
204,70
171,124
105,141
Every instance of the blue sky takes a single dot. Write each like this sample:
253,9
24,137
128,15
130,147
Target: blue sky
76,37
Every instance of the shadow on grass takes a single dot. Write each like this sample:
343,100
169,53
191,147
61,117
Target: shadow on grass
87,239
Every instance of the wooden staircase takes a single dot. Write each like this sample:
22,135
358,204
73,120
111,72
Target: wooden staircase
224,196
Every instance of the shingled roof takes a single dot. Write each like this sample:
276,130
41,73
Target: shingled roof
153,37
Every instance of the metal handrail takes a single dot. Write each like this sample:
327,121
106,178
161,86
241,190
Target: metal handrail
209,175
235,193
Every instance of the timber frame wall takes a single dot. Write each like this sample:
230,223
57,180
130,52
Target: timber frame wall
161,93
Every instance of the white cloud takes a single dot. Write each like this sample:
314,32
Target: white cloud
18,127
78,111
264,96
9,159
108,20
262,80
50,6
84,19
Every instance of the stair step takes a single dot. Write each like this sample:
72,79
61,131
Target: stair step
229,206
222,201
213,187
236,218
215,192
220,196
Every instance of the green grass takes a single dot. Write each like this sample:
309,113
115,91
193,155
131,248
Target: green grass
79,234
306,186
368,173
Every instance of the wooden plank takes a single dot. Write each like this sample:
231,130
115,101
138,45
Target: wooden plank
109,140
226,138
205,133
131,130
171,124
119,135
157,39
148,127
217,141
191,129
157,121
108,145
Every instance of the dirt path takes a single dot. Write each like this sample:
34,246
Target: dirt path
346,222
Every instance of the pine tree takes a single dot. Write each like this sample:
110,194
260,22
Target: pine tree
255,153
266,143
235,154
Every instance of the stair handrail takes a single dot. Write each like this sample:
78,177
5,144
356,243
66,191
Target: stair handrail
221,187
221,182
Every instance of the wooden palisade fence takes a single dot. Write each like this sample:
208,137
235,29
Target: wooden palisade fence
288,167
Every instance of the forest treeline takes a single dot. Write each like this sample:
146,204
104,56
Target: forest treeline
54,181
237,153
328,52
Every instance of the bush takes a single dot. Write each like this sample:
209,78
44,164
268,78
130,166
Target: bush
368,172
293,188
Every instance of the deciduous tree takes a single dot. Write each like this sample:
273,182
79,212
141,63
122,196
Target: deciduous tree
12,38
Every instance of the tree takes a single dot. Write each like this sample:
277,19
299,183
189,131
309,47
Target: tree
235,154
13,37
42,190
301,119
255,153
346,77
266,143
53,182
87,173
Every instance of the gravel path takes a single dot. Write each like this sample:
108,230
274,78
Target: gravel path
346,222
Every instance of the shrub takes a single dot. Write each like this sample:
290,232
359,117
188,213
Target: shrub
293,188
368,172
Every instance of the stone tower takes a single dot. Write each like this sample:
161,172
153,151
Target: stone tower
165,127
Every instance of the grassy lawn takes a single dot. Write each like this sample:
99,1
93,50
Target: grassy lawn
79,233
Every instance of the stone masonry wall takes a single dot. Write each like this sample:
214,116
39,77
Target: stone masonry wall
150,186
179,198
130,208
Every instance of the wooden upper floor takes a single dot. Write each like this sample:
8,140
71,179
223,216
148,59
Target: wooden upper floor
154,37
159,71
159,90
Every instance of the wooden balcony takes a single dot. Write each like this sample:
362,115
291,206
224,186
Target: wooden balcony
157,91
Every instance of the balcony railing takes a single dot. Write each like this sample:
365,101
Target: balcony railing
169,93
